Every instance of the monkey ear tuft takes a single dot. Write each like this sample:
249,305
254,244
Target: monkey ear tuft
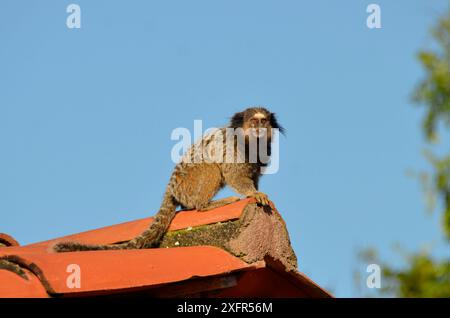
274,123
237,121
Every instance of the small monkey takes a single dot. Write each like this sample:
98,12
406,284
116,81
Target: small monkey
228,156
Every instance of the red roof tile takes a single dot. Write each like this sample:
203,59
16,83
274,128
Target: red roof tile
158,272
7,240
14,286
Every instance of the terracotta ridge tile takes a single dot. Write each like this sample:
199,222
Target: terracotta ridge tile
8,240
128,230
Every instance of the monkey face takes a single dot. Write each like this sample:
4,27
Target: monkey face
257,126
257,122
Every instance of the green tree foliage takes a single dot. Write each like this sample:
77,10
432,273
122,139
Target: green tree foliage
433,93
424,276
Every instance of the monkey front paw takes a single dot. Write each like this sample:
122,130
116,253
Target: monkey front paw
260,198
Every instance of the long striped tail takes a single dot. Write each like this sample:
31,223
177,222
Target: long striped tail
75,246
153,235
149,238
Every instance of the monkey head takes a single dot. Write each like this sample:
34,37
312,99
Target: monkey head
256,122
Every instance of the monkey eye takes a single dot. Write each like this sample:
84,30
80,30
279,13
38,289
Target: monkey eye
263,120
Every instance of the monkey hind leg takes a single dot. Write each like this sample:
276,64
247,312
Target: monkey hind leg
218,203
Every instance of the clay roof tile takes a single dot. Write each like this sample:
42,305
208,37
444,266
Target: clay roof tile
158,272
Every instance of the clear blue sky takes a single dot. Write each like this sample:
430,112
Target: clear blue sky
86,115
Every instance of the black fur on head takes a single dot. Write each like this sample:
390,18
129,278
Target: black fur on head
238,119
274,123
